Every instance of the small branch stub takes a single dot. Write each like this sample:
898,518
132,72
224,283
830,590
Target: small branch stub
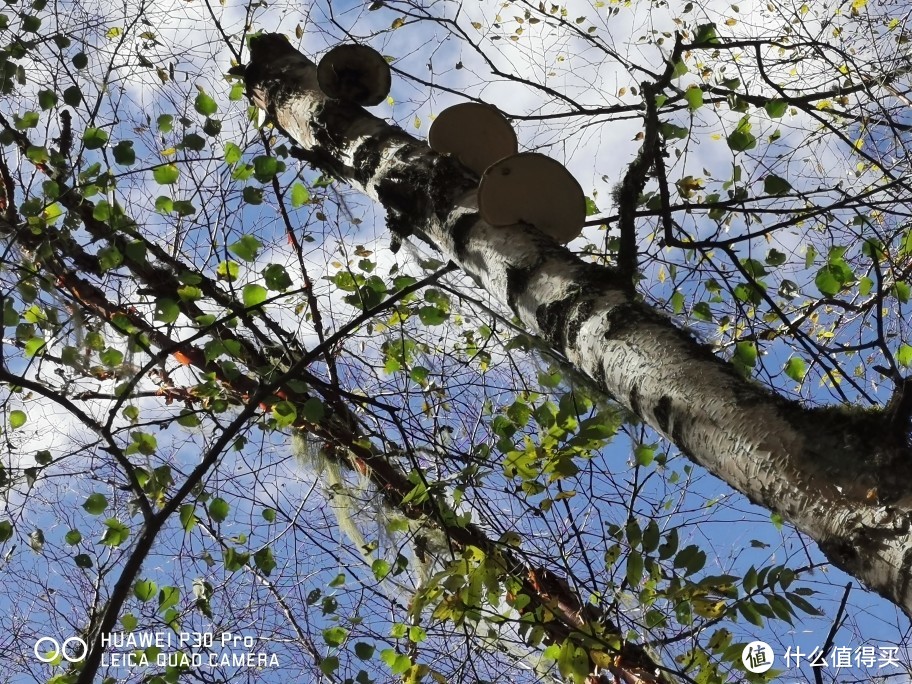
536,189
476,134
355,73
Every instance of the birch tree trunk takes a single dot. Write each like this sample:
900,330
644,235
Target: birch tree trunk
841,475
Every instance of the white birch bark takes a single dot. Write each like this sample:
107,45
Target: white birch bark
843,476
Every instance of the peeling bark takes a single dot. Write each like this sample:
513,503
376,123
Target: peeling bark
841,475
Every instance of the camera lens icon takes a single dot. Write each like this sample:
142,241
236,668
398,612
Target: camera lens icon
73,650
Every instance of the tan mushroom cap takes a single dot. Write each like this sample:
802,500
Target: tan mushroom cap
536,189
476,134
355,73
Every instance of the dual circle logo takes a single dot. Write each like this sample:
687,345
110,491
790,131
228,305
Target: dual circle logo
757,657
73,650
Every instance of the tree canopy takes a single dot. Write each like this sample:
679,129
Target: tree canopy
277,398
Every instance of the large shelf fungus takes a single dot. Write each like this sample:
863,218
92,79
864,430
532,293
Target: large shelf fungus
355,73
533,188
476,134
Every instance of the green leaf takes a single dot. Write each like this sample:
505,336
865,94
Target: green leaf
17,419
269,515
219,509
188,517
235,560
124,153
670,130
253,195
33,346
431,315
143,443
111,357
94,138
802,604
702,312
691,559
73,537
300,195
796,368
284,413
228,270
205,105
635,568
774,185
828,281
775,258
788,289
380,568
694,97
335,636
233,153
591,207
164,205
398,663
775,108
246,248
265,168
904,355
27,120
95,504
572,662
254,295
145,590
168,597
83,560
276,277
166,174
192,142
72,96
109,258
6,530
741,139
166,310
47,98
706,33
746,353
644,454
116,534
329,665
364,651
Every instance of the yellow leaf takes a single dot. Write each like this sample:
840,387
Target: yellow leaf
398,22
707,608
476,25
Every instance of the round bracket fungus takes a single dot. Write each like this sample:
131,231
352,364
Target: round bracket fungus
533,188
355,73
476,134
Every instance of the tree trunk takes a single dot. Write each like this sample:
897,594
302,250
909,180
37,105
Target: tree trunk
841,475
